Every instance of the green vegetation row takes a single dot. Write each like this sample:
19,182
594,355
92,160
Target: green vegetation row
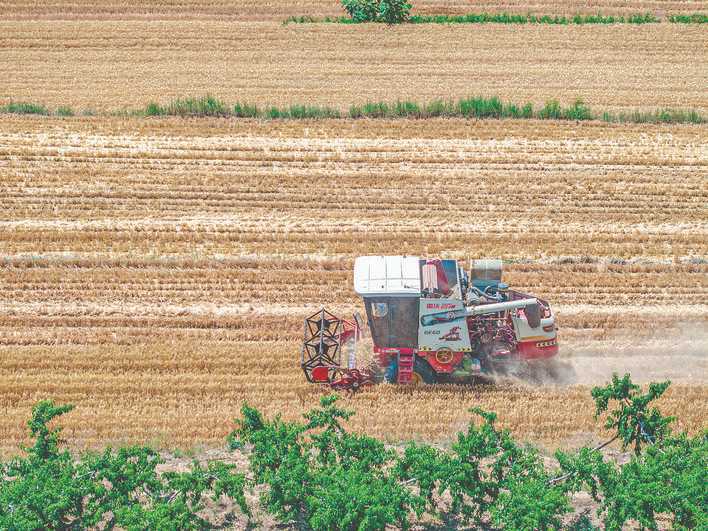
34,108
399,11
314,474
476,108
696,18
507,18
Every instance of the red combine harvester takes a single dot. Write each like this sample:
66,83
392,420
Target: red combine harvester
430,322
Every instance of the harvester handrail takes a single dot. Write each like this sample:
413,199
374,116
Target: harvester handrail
496,307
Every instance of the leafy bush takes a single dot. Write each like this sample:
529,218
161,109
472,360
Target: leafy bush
578,111
362,10
49,489
488,477
313,474
319,476
388,11
667,479
394,11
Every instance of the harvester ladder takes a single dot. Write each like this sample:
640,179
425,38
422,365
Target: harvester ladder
351,353
405,366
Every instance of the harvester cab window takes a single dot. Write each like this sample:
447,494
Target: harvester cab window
379,309
393,321
440,278
486,273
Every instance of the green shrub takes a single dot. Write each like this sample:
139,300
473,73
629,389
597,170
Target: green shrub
665,476
313,474
318,476
660,116
578,111
65,111
408,109
48,488
511,110
551,111
24,108
507,18
646,18
203,106
388,11
154,109
375,110
312,111
362,10
243,110
274,113
355,111
473,107
695,18
301,20
394,11
480,107
440,108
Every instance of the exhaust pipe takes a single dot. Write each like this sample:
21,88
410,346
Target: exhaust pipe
482,309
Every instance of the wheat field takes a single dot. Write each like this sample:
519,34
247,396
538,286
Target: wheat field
155,272
108,66
255,10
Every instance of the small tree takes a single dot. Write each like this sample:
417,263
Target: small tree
48,488
362,10
394,11
388,11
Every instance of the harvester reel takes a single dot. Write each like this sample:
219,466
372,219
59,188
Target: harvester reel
321,348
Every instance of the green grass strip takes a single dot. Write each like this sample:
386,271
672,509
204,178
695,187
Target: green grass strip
204,106
472,108
497,18
695,18
23,108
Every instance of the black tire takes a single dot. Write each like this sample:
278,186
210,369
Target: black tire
424,370
533,315
421,368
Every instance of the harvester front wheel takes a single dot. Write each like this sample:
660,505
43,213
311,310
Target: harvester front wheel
423,373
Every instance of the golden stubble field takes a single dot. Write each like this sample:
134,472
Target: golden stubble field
155,271
278,10
111,65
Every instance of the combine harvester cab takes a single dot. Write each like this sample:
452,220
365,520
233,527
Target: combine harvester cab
431,322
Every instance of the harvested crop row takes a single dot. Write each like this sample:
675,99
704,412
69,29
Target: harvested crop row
254,10
155,272
187,395
599,284
333,65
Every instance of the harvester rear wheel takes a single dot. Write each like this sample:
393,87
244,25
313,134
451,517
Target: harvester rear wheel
533,315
